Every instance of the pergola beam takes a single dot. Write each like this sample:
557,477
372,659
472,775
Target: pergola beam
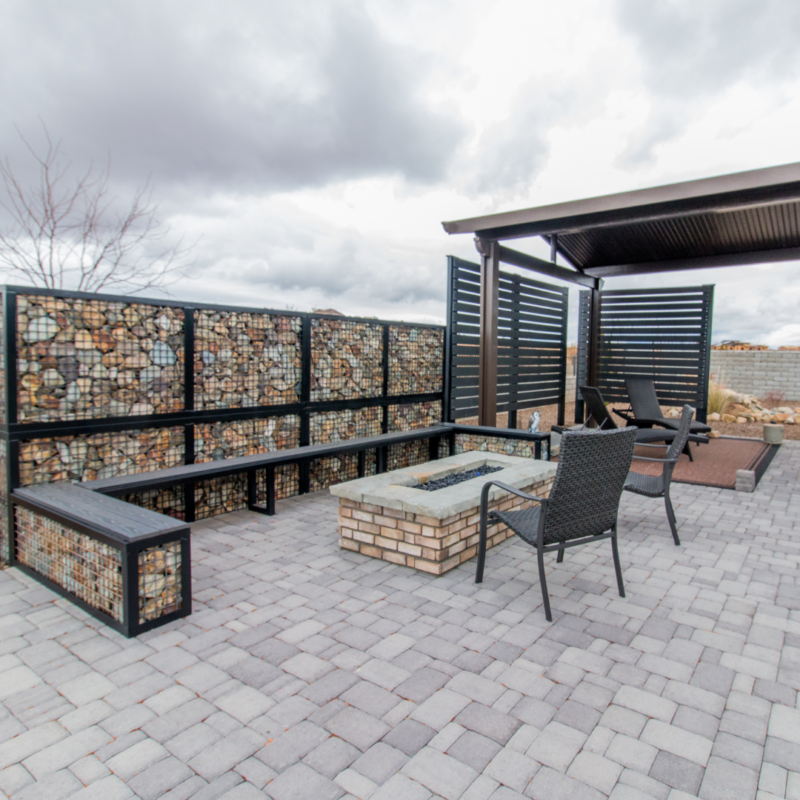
698,262
517,259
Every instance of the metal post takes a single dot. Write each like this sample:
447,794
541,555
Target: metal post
490,290
188,359
593,367
304,478
385,409
447,366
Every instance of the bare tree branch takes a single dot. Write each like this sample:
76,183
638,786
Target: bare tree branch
65,232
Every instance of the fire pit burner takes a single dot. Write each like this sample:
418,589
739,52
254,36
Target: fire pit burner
456,477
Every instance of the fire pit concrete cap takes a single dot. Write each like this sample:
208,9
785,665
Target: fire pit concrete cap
394,489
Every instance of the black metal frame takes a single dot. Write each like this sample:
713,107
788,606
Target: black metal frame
129,557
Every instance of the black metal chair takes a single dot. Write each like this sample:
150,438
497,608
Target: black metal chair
582,506
658,485
645,409
598,413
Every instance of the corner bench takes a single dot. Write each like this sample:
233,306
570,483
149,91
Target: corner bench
125,565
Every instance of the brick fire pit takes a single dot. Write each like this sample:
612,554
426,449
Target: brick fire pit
384,516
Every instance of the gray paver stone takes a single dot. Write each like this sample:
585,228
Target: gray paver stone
724,779
439,773
677,772
300,782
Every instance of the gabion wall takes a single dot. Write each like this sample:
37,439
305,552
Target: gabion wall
422,347
3,500
346,359
245,437
524,448
246,359
411,416
89,569
88,358
88,457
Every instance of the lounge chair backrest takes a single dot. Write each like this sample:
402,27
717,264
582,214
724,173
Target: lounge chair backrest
682,436
597,408
643,398
592,468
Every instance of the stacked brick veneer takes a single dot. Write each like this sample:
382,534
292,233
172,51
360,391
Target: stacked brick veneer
424,543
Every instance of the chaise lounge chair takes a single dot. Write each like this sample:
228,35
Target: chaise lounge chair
598,413
646,411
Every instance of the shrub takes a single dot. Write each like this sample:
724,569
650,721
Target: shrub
719,398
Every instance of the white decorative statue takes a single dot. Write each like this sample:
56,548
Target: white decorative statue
533,425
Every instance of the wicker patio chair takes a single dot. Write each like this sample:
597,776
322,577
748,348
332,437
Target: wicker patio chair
658,485
598,413
582,506
645,409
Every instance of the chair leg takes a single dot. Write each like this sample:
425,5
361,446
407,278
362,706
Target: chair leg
617,567
560,557
543,582
671,518
481,552
688,451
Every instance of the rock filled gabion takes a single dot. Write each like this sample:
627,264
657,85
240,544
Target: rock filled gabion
3,501
245,359
219,440
415,359
325,472
220,495
89,569
99,455
159,581
2,358
169,501
411,416
466,442
287,483
346,359
87,359
349,423
408,454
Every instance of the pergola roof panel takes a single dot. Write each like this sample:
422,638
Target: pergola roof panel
747,217
689,236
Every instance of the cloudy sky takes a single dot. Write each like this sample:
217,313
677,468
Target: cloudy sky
313,148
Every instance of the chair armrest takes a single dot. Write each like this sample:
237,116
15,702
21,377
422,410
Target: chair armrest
658,460
648,444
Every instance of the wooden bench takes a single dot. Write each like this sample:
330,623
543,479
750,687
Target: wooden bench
123,564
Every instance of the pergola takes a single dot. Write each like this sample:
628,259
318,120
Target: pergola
731,220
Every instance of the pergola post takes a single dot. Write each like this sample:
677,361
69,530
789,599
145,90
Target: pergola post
593,354
490,291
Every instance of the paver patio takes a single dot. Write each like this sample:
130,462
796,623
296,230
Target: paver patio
307,671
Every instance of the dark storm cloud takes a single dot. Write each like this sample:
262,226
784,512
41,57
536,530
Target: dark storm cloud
694,51
246,96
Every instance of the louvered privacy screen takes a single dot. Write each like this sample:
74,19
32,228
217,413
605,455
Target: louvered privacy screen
663,333
532,341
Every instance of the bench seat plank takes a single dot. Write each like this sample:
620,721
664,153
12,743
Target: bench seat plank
163,478
118,521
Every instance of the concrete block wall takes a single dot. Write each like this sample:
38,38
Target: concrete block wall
758,372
